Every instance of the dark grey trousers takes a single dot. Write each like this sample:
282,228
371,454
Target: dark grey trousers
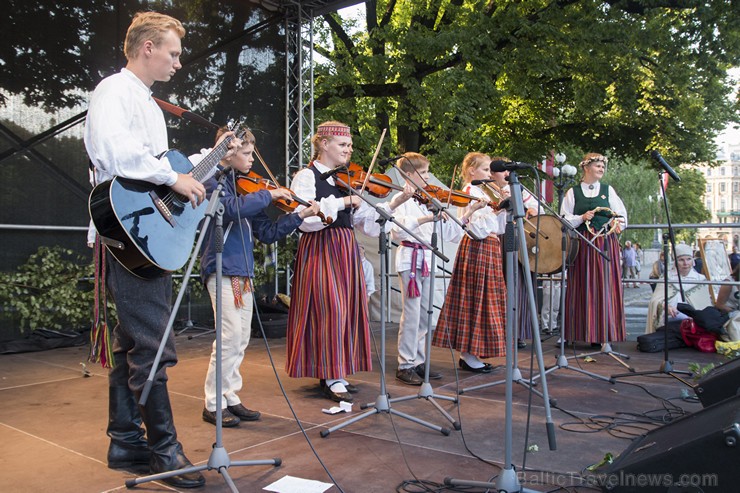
143,308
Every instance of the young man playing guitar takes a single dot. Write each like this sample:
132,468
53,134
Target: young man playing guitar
124,132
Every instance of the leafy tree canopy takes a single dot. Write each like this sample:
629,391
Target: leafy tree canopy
517,78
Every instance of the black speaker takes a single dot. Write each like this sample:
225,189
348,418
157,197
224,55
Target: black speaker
719,383
698,453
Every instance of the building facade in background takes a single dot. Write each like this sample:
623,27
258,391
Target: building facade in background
722,194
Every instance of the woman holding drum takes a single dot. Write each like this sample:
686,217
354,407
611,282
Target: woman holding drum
594,311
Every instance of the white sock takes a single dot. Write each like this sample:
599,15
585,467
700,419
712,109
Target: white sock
472,361
336,386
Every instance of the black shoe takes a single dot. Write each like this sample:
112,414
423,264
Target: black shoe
520,344
167,454
352,389
335,396
228,420
408,376
486,368
243,413
433,375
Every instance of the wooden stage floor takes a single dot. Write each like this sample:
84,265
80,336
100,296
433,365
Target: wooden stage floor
53,419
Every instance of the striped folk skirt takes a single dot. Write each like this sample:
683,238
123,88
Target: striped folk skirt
593,297
473,318
328,333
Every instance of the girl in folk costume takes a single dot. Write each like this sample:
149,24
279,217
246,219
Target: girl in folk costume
532,208
328,332
594,311
473,316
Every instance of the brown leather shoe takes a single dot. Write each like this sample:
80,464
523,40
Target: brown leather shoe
243,413
433,375
228,420
408,376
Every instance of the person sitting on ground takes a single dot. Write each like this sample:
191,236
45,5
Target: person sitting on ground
695,294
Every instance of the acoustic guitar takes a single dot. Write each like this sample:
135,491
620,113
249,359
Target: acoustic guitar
149,228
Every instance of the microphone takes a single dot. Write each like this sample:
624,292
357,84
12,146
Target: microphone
385,162
331,172
481,182
667,167
499,165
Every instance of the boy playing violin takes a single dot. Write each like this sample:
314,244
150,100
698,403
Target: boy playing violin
243,217
412,261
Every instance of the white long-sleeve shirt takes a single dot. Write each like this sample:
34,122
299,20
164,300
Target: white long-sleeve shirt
408,214
364,217
124,131
569,202
484,222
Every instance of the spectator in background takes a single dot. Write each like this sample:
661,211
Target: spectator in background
698,262
629,259
639,258
734,258
657,270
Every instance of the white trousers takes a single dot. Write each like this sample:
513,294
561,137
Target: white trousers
414,324
236,327
550,308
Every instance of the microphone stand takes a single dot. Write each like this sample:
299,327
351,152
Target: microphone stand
507,481
666,366
219,458
382,403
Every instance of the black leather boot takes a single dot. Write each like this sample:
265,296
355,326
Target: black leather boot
166,451
128,448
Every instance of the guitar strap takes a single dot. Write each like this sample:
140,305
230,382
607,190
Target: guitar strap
185,114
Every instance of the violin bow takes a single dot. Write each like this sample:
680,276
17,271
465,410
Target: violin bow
264,165
452,186
372,163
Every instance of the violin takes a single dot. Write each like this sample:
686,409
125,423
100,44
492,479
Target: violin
378,184
252,182
453,197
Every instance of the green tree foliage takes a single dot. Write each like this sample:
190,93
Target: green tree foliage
639,189
52,290
518,78
684,203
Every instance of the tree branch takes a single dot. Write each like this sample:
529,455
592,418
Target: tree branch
368,90
340,33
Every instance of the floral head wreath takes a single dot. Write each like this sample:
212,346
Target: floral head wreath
594,159
334,130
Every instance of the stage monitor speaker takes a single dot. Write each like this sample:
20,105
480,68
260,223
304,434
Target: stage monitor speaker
698,453
719,383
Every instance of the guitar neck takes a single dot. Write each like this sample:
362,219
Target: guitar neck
203,170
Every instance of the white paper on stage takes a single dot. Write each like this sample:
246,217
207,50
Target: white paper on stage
290,484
